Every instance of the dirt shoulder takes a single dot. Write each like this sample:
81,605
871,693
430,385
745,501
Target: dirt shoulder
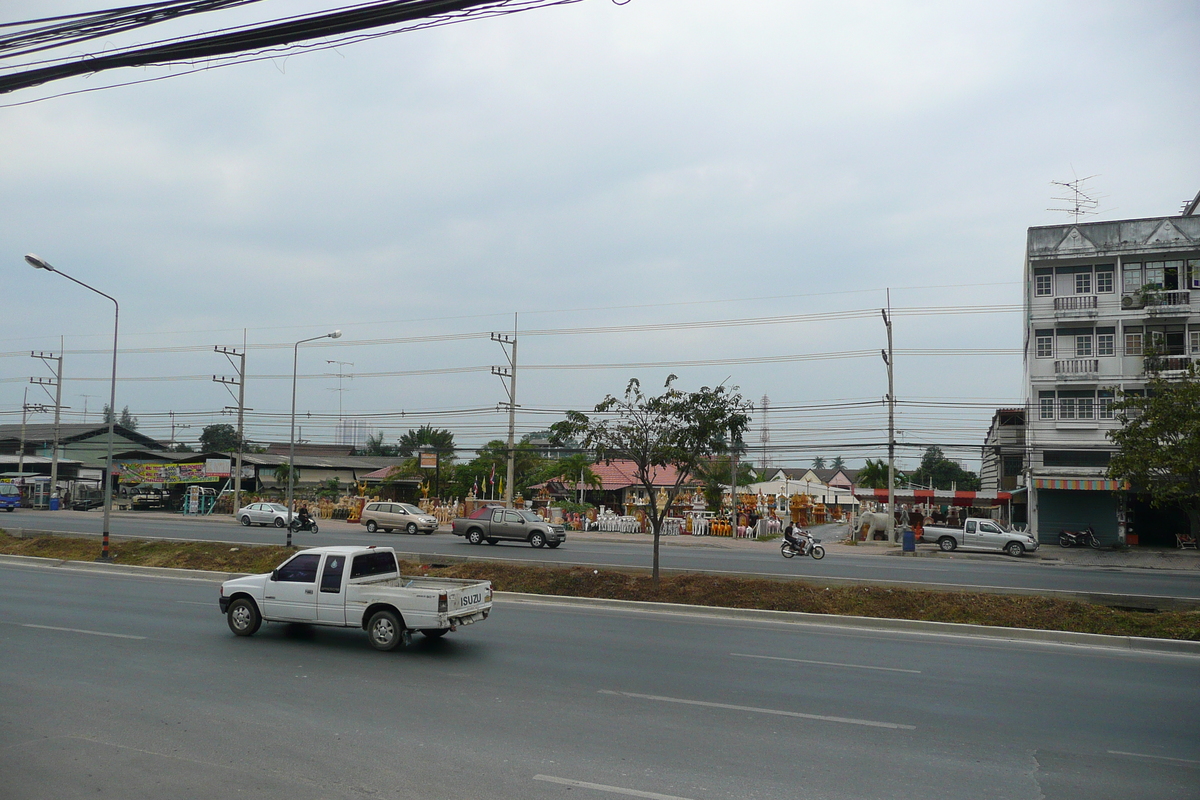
1011,611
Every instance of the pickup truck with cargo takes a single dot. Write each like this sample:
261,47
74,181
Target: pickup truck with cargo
354,587
980,533
507,524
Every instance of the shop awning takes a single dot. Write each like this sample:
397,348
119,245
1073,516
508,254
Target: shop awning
937,497
1080,485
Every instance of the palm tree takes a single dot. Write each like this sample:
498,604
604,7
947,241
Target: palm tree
818,463
439,440
575,468
837,463
874,475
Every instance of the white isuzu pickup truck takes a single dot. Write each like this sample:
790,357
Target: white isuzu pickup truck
351,587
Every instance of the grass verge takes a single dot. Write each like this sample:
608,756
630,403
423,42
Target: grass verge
1011,611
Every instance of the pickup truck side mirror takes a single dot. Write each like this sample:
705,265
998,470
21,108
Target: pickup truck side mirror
275,574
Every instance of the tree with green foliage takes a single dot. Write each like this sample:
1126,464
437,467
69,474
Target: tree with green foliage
837,463
427,437
1158,444
943,473
283,470
220,438
374,446
818,462
674,429
715,476
874,475
127,420
574,470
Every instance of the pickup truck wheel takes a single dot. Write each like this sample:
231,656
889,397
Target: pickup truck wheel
245,521
553,545
243,617
434,633
371,526
537,539
279,522
411,528
1014,549
475,536
947,543
385,631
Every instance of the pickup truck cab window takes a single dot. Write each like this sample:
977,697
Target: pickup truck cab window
513,518
970,526
498,515
331,576
373,564
301,569
988,527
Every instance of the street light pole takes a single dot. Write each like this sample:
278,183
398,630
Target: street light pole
292,432
38,263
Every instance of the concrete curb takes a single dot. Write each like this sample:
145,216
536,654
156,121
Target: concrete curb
200,575
1132,643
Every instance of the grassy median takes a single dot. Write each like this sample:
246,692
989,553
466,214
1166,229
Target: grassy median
1012,611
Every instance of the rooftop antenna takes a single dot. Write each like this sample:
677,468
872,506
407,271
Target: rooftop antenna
1080,203
1189,208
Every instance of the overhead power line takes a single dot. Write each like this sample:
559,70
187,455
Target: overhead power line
283,35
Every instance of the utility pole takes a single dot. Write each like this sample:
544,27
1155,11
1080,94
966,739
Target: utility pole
240,382
56,382
891,399
509,345
21,452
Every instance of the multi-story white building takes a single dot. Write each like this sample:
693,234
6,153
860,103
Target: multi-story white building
1104,301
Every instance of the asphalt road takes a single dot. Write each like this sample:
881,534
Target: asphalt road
129,687
962,571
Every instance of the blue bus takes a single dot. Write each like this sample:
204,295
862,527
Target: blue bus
10,496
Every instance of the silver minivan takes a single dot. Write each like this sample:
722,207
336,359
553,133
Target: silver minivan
397,516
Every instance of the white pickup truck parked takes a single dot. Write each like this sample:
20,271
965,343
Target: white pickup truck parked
980,533
352,587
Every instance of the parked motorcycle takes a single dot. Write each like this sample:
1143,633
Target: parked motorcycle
1082,538
310,525
814,549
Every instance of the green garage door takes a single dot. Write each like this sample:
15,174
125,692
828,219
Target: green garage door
1075,510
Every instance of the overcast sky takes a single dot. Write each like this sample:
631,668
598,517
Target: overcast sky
587,165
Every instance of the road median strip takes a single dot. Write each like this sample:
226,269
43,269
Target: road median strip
816,601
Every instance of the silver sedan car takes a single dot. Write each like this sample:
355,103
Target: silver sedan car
263,514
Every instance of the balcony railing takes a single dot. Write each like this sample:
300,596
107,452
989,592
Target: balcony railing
1160,303
1167,363
1079,302
1077,366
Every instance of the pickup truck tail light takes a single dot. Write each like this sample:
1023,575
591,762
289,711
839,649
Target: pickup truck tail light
443,603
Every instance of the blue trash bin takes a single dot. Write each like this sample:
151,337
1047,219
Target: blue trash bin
54,504
909,542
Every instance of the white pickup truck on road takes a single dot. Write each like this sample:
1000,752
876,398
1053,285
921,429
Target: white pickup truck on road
352,587
980,533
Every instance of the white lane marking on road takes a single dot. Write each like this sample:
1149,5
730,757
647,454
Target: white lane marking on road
775,711
80,630
195,603
600,787
828,663
1147,755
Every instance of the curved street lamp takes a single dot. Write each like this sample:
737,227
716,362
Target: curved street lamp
40,263
292,434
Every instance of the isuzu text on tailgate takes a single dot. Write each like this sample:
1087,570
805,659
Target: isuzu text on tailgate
351,587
